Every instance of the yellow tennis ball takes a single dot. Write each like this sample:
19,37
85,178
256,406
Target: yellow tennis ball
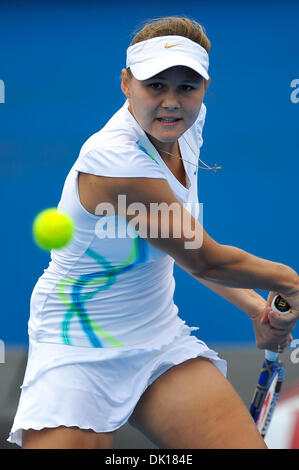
52,229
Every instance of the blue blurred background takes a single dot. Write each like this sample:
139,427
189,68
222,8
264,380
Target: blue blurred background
61,65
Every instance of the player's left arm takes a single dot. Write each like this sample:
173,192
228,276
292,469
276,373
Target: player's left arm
268,332
246,300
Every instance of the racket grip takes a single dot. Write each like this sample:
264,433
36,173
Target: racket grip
281,306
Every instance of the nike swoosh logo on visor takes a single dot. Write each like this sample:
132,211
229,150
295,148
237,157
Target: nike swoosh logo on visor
167,46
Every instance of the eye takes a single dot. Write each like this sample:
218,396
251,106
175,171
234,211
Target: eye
187,88
156,85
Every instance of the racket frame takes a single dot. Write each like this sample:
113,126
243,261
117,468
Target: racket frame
263,405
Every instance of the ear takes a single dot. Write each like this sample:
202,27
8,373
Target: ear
125,83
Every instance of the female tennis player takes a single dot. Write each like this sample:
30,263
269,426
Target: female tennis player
107,345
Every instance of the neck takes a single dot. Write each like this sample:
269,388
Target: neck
168,149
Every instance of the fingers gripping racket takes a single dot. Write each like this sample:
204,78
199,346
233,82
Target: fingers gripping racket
270,381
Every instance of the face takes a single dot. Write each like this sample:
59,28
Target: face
167,104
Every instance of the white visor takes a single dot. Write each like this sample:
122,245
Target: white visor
150,57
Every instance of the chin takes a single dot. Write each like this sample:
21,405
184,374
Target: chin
170,138
165,140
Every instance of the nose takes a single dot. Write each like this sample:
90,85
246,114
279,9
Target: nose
170,100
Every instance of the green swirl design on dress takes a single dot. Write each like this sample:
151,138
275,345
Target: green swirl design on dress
102,280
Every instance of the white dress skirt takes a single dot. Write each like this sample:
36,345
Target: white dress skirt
96,388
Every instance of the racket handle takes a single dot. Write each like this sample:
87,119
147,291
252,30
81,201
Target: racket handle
279,305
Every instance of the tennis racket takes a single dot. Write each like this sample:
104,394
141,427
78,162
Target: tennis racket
270,381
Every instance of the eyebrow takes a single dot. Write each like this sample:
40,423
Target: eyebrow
193,79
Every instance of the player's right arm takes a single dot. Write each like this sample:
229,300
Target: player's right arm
210,260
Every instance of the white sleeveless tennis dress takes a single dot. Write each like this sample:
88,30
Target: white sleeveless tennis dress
103,324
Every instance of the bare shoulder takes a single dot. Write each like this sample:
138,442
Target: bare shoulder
161,218
94,190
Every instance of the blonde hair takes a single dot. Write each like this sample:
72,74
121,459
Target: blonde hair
172,26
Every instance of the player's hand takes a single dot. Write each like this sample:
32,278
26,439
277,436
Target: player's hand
292,299
269,332
286,321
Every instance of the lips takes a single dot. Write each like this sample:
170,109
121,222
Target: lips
168,121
